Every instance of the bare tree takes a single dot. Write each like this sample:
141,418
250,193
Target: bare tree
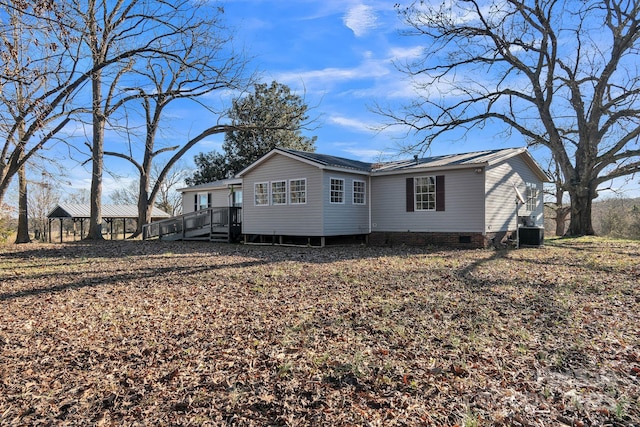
168,199
43,197
114,38
22,235
127,195
6,222
37,78
207,63
562,73
80,197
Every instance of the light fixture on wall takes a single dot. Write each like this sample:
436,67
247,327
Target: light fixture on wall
478,170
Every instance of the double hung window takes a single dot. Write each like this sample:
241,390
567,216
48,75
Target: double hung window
425,193
279,193
359,192
532,196
261,193
298,191
337,190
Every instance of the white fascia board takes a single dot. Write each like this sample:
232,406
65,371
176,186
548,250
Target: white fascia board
535,167
212,186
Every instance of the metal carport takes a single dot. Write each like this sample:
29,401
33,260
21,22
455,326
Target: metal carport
110,214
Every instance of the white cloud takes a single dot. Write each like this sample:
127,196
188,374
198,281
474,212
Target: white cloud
323,79
360,19
405,53
364,154
352,124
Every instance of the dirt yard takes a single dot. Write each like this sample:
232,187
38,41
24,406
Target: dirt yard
153,333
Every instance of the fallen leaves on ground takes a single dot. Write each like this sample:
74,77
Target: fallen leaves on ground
192,333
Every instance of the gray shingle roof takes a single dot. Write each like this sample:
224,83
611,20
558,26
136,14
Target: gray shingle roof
462,159
328,160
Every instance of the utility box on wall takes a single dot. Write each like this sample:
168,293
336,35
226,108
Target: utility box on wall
530,236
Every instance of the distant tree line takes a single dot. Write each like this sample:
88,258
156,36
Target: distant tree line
614,217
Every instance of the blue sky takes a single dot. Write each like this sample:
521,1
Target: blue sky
339,55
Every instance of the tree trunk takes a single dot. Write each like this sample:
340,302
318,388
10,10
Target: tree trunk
97,158
561,217
144,217
23,217
144,207
580,223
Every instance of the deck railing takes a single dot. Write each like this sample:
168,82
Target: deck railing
212,221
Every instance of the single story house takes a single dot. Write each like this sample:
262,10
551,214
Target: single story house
464,200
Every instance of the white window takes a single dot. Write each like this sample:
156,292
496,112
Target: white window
261,193
359,192
532,196
298,191
202,201
337,190
279,193
425,193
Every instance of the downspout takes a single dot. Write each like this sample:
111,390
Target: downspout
484,202
369,202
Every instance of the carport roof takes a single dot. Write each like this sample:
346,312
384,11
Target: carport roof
108,211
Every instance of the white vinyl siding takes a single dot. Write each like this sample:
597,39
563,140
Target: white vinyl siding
292,219
279,193
500,205
261,193
343,218
464,196
359,192
337,191
219,198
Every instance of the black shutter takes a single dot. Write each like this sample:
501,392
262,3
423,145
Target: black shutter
439,192
410,201
195,202
208,200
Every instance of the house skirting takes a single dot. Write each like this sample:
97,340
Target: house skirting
457,240
316,241
471,240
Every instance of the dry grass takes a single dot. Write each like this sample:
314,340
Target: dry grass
153,333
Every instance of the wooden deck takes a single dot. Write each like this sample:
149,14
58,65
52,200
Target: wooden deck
219,224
